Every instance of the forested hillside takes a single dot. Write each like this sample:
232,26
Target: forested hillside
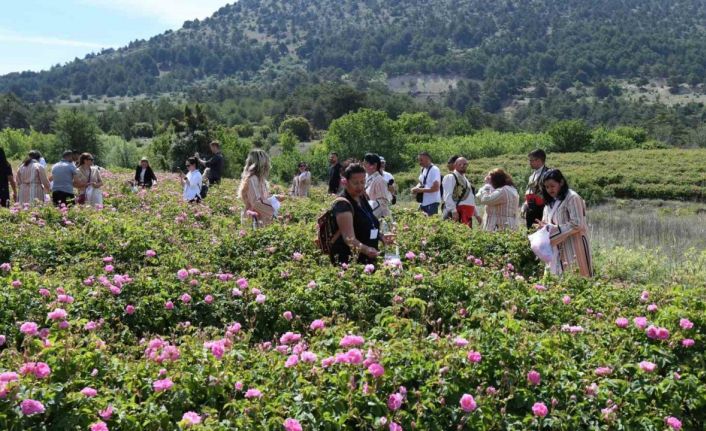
506,44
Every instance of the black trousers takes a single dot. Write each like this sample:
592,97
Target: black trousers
534,212
59,198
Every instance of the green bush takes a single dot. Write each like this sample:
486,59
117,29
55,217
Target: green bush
298,126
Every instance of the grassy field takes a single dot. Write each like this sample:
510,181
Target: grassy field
673,174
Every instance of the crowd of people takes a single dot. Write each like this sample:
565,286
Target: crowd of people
366,194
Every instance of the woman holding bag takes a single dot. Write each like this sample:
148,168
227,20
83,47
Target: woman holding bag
565,218
88,182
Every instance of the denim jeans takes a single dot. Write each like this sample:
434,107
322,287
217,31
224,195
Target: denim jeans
430,209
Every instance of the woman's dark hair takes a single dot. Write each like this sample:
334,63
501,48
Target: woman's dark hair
84,157
191,161
352,169
373,159
33,155
500,178
3,158
453,159
556,175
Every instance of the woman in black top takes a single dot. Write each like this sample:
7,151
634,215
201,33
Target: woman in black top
359,228
6,180
144,175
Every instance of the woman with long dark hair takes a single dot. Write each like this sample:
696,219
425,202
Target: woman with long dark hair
6,181
565,217
32,180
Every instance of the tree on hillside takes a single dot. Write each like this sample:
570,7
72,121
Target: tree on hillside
191,135
355,134
298,126
570,136
77,131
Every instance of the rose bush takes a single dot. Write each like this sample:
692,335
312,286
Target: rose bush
152,314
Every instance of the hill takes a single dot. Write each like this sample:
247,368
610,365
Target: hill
508,45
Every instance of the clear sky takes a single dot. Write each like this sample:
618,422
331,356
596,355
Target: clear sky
37,34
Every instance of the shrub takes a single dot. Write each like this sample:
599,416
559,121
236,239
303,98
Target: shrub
298,126
570,136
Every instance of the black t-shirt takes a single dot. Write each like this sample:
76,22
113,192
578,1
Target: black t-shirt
334,178
5,172
363,222
216,164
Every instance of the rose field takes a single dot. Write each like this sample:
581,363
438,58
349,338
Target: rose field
153,314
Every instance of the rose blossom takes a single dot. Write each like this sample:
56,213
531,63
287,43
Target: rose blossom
468,404
647,366
31,407
191,418
540,410
533,377
292,425
673,422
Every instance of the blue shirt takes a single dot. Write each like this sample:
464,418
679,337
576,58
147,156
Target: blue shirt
63,173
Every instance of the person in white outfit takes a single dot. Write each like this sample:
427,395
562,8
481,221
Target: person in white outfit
191,181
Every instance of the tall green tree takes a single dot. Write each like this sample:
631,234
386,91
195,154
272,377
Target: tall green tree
77,130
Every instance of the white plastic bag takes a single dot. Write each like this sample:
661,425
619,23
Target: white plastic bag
541,245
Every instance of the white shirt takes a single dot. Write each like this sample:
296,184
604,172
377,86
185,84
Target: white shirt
449,184
387,176
192,187
142,175
434,176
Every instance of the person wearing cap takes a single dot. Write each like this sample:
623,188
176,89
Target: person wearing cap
62,177
144,175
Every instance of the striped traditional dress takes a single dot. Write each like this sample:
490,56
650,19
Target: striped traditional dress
501,207
569,235
378,195
31,181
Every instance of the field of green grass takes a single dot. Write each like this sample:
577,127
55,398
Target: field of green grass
670,174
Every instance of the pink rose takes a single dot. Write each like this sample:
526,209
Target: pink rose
376,370
292,425
534,378
687,342
29,328
31,407
351,340
169,305
253,393
150,253
99,426
57,314
673,422
162,385
540,410
603,371
394,401
474,356
640,322
106,413
622,322
89,392
129,309
191,418
647,366
317,324
468,404
685,324
288,315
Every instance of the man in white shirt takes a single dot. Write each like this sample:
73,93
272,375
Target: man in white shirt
390,180
459,196
427,191
533,208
